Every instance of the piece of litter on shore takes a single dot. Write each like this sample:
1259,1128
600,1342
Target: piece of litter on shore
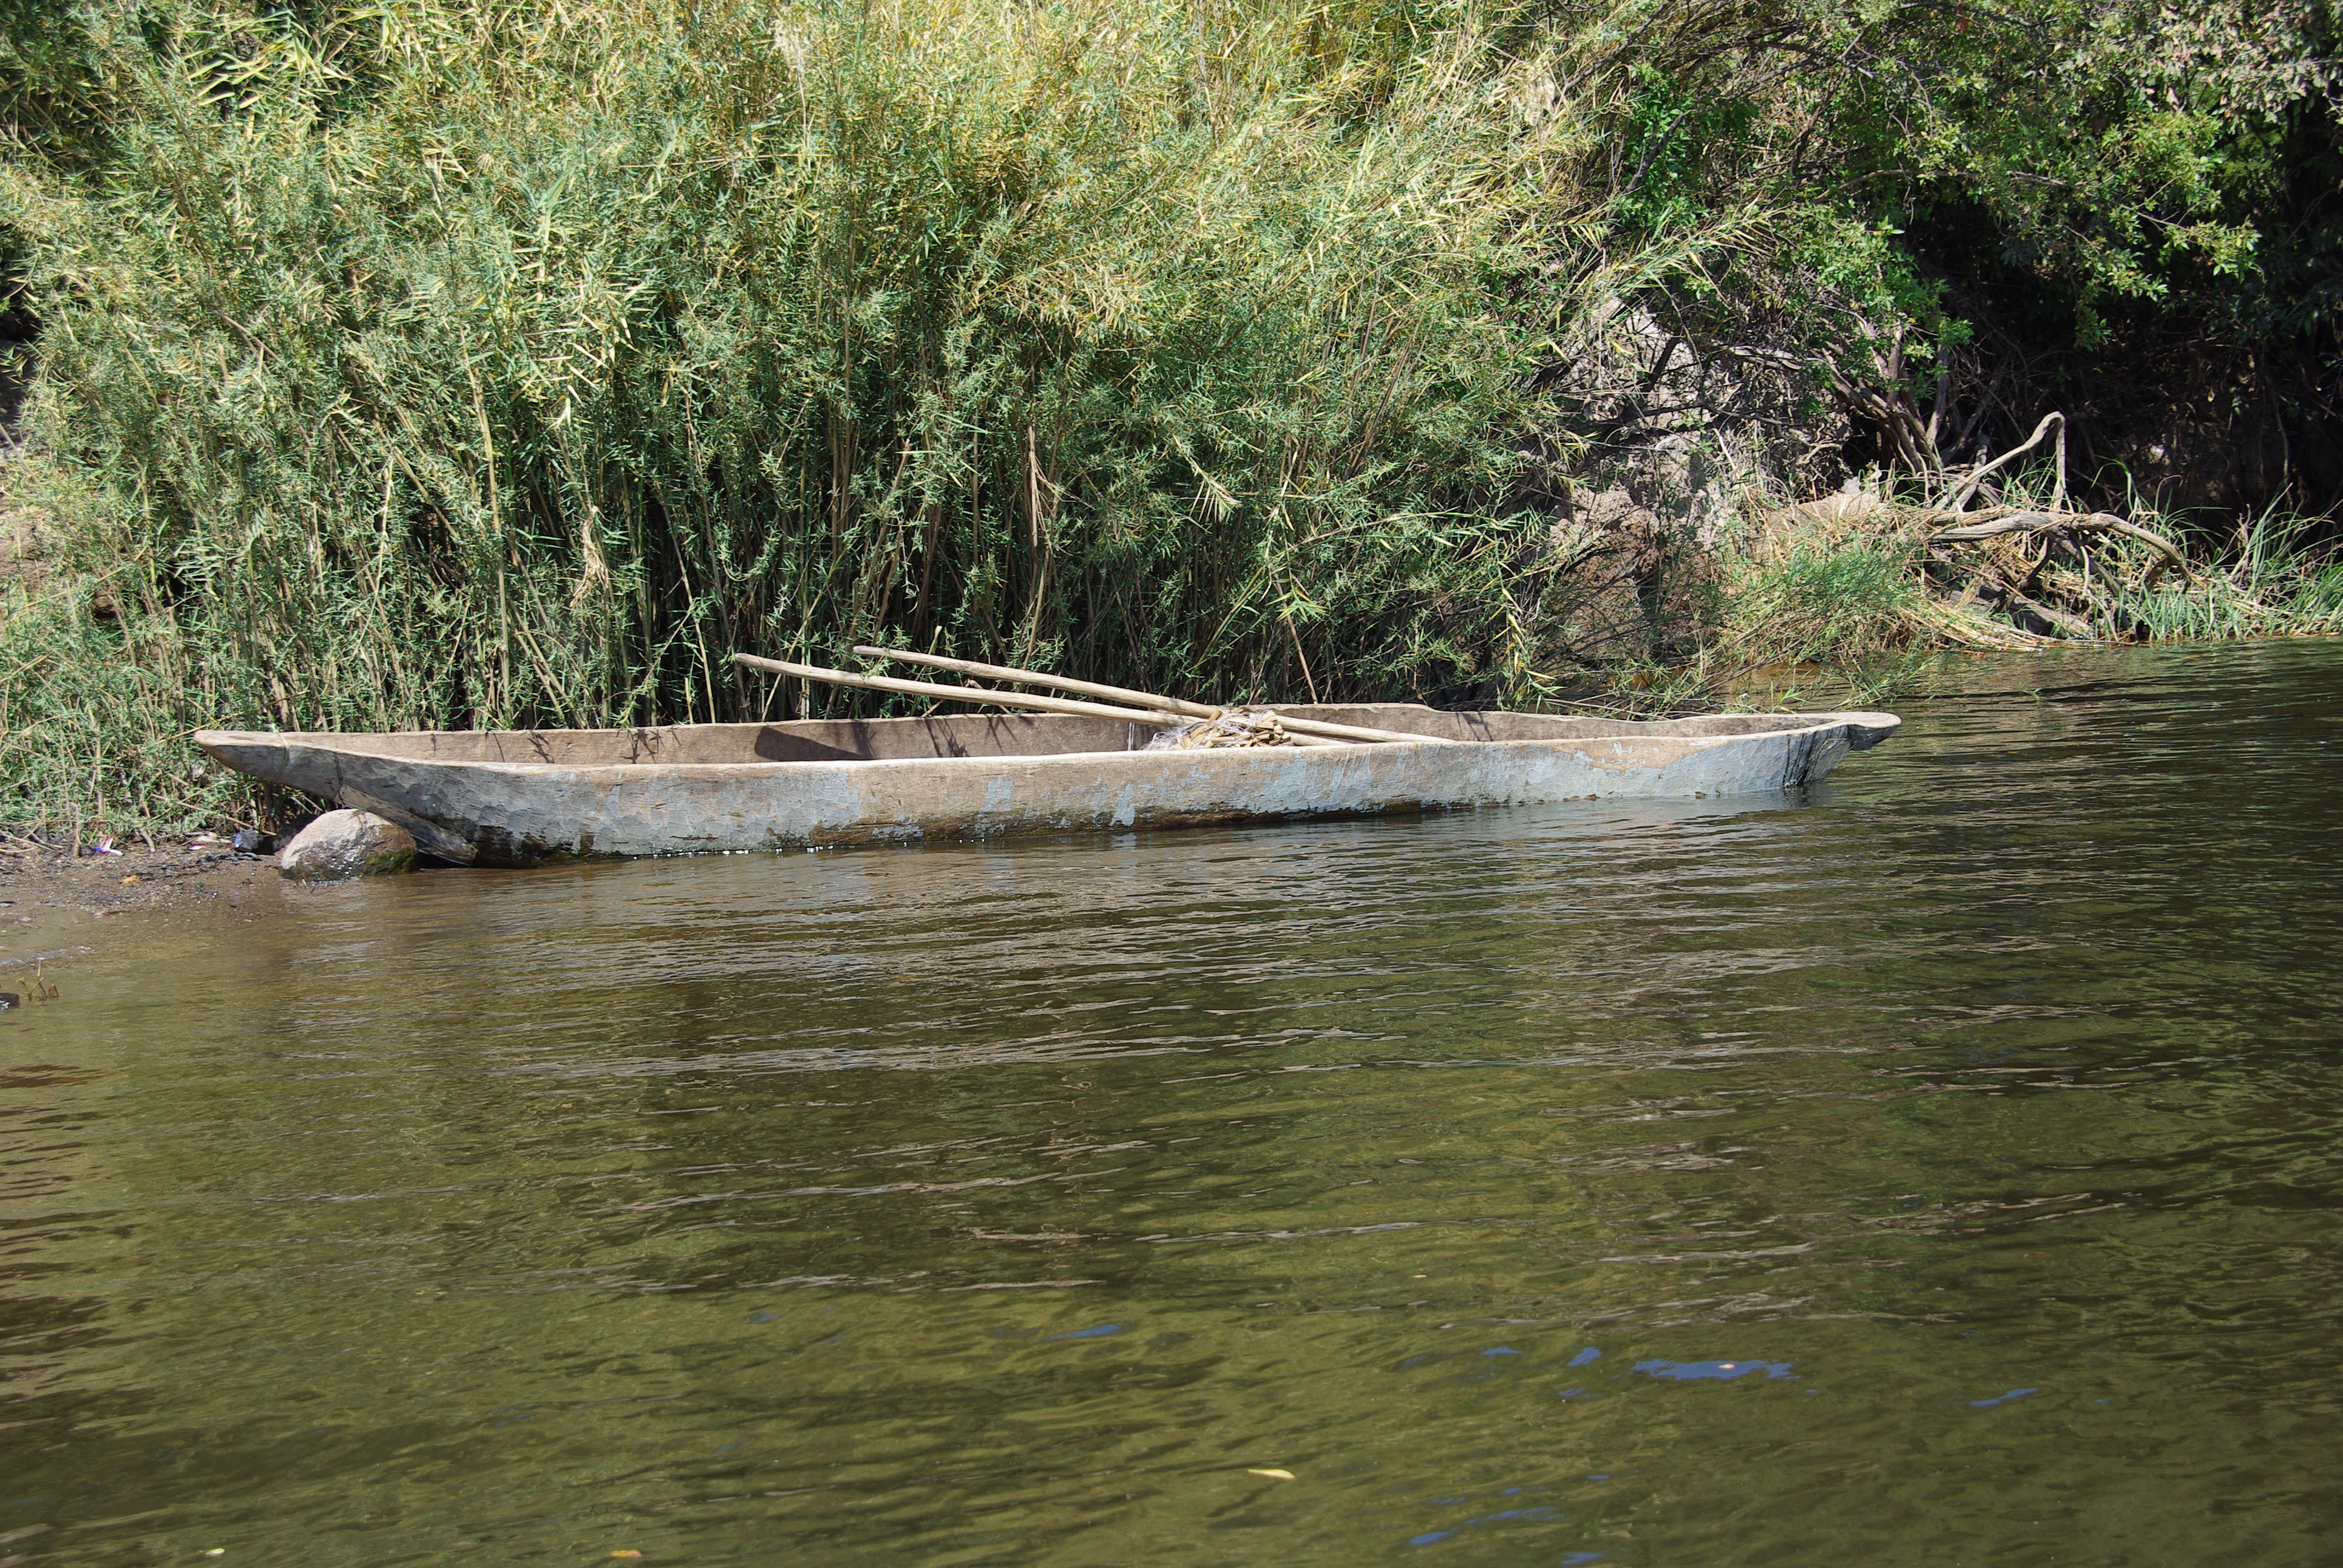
1273,1474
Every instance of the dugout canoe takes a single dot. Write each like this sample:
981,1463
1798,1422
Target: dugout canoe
515,797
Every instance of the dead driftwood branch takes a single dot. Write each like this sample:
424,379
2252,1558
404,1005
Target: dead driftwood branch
1959,497
2069,522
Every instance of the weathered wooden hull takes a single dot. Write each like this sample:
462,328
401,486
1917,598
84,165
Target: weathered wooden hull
525,796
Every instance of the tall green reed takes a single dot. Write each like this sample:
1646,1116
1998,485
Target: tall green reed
447,365
2264,577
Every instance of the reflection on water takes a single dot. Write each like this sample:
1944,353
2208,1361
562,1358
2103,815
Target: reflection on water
1937,1168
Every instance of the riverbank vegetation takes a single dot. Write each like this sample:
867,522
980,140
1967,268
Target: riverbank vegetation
457,363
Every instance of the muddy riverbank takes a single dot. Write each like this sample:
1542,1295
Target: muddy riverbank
49,898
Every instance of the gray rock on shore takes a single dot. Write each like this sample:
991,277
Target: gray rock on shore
347,844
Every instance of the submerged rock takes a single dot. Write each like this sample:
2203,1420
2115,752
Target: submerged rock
347,844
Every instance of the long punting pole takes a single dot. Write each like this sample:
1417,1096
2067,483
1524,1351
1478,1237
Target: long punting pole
1159,718
1312,727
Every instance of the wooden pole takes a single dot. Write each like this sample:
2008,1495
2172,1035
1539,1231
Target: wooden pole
1305,726
1159,718
1034,677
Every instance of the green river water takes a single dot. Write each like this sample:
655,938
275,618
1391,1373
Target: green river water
1937,1168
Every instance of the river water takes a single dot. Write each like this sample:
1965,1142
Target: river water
1939,1168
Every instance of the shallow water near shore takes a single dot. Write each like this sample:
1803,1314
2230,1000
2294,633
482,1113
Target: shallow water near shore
1938,1167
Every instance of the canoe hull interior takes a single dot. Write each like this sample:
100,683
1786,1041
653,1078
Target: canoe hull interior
520,796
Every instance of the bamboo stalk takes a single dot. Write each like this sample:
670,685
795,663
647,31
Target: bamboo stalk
1303,727
1159,718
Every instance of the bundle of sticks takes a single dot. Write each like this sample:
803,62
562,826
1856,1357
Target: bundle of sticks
1191,724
